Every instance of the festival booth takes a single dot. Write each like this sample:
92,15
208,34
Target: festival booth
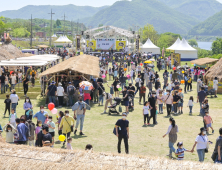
74,67
31,51
149,47
204,62
214,71
186,52
62,41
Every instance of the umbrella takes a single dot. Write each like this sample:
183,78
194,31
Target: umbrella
150,65
148,61
152,59
85,85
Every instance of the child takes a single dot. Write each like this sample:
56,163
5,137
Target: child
12,117
190,104
38,129
160,99
69,141
146,113
51,128
7,104
180,151
46,119
111,89
10,130
208,120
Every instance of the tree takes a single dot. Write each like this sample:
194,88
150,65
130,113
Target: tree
148,31
2,25
58,22
193,43
217,46
21,32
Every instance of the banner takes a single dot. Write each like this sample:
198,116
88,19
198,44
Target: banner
105,44
120,45
210,84
91,44
175,59
78,37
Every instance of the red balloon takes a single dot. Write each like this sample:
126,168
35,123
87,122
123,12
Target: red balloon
174,68
141,64
51,106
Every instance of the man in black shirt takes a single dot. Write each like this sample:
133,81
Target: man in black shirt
131,90
52,89
47,137
25,84
7,105
122,132
152,104
176,99
126,98
95,91
2,78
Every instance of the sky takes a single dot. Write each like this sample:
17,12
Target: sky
17,4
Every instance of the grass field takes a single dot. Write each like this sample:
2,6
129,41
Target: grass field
148,140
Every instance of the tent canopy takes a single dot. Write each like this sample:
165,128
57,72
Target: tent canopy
150,47
203,61
84,64
177,42
63,39
42,46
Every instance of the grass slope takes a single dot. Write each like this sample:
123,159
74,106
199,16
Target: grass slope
98,127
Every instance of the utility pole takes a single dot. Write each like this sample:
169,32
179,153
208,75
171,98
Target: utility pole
77,27
64,23
44,31
31,33
50,41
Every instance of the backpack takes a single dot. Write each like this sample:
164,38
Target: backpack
189,80
71,90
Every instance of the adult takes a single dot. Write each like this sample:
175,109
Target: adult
70,92
22,131
176,99
142,93
51,91
27,106
218,148
2,78
175,75
47,137
200,98
14,99
189,81
95,91
41,114
25,84
101,90
138,84
202,144
65,124
33,75
13,80
215,85
108,99
172,133
115,83
60,94
126,98
122,132
131,90
79,109
180,103
185,83
199,84
153,107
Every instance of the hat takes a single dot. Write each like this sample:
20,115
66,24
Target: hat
60,84
70,83
13,90
179,143
202,129
124,113
53,82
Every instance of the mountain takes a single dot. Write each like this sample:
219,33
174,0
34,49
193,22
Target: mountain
199,9
72,12
211,26
125,14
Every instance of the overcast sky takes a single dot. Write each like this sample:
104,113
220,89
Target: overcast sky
16,4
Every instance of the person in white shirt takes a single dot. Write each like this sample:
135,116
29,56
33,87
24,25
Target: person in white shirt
19,77
215,85
14,99
199,84
146,109
10,130
13,81
138,84
108,98
60,94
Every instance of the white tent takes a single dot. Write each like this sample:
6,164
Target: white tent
150,47
177,42
54,36
63,39
185,50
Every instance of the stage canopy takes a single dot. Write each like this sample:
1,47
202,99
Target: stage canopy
150,47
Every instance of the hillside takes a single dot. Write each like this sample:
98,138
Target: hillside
72,12
199,9
212,26
125,14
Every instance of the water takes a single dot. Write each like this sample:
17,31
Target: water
205,45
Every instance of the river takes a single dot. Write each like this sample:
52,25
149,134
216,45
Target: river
205,45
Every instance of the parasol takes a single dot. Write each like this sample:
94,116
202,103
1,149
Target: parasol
85,85
148,61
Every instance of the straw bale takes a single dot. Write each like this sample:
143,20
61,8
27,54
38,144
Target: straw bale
18,157
84,64
203,61
214,71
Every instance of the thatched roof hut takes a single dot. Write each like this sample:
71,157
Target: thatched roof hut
83,64
21,157
214,71
204,61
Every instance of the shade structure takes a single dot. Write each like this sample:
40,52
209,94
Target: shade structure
84,64
172,47
43,46
204,61
150,47
85,85
63,39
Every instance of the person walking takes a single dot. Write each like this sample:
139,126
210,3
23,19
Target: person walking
186,83
200,98
51,91
25,84
218,149
60,94
142,93
27,106
122,132
201,143
108,99
2,78
22,131
215,86
14,99
152,104
66,124
172,132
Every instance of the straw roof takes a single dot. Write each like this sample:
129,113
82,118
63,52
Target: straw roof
43,46
214,71
84,64
19,157
203,61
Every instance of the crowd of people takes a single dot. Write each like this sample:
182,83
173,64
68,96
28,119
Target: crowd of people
129,75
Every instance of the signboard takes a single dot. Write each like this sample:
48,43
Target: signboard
210,84
120,45
78,42
175,59
105,44
91,44
137,44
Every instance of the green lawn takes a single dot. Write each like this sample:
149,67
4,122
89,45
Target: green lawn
98,127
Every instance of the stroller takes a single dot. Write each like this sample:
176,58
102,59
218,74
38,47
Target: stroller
210,92
112,108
